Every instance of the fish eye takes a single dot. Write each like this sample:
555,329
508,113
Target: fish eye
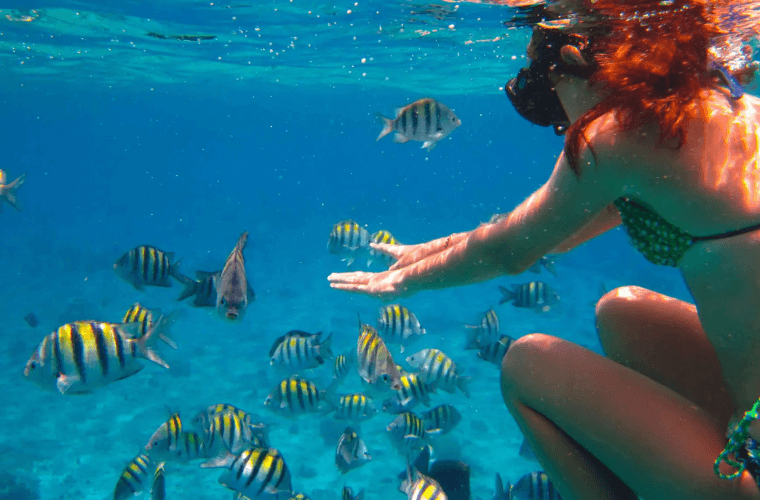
32,365
385,377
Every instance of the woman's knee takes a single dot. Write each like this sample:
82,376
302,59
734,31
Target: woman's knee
617,310
523,363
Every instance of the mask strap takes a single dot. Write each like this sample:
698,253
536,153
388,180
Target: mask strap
734,87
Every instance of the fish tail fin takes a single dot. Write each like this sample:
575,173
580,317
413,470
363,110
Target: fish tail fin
507,295
499,495
406,486
242,242
192,287
549,265
223,459
10,192
324,350
463,384
473,337
174,271
387,126
157,330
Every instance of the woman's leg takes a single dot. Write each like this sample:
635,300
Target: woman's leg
604,431
662,338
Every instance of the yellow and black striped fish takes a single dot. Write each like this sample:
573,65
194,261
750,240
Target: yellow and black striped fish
374,361
166,438
355,407
532,486
81,356
341,366
386,237
425,120
495,352
398,325
205,422
296,395
255,471
532,295
413,391
351,452
158,490
348,237
484,333
439,370
134,477
441,420
421,487
144,318
407,424
147,265
299,350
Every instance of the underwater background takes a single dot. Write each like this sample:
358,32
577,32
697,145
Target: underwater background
269,127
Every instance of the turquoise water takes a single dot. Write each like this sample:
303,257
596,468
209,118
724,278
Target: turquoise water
128,139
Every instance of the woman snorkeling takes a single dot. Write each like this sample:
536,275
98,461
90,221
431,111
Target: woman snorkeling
660,137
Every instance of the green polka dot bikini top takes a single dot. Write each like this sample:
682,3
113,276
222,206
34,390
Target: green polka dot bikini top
658,240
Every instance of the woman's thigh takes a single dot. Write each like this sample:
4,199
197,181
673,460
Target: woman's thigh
654,440
662,338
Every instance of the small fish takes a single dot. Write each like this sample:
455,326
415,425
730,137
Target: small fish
532,486
351,452
407,434
8,191
347,494
425,120
190,447
527,452
412,392
31,320
438,370
134,477
295,396
355,407
441,419
158,490
495,352
259,432
374,361
254,472
81,356
204,289
144,317
298,496
421,487
533,295
147,265
545,262
348,237
299,350
453,476
227,431
484,333
166,438
232,286
383,236
398,325
342,365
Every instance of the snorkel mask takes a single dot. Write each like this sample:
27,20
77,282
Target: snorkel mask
531,92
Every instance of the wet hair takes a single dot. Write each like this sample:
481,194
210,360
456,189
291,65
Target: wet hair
652,59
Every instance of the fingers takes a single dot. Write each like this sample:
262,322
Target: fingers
349,278
347,287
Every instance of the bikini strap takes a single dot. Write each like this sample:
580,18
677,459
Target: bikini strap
736,441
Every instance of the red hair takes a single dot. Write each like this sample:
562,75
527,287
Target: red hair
652,61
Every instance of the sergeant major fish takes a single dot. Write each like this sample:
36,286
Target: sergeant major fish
204,289
232,286
484,333
81,356
533,295
255,472
495,352
8,191
421,487
413,391
158,490
351,452
348,237
398,325
147,265
425,120
532,486
374,361
295,396
441,420
355,407
133,479
438,370
167,436
298,350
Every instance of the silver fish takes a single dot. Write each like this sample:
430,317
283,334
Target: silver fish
295,396
374,361
383,236
254,472
348,237
232,289
425,120
166,438
355,407
398,325
533,295
485,333
298,350
495,352
351,452
413,391
441,419
407,434
437,369
204,289
147,265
